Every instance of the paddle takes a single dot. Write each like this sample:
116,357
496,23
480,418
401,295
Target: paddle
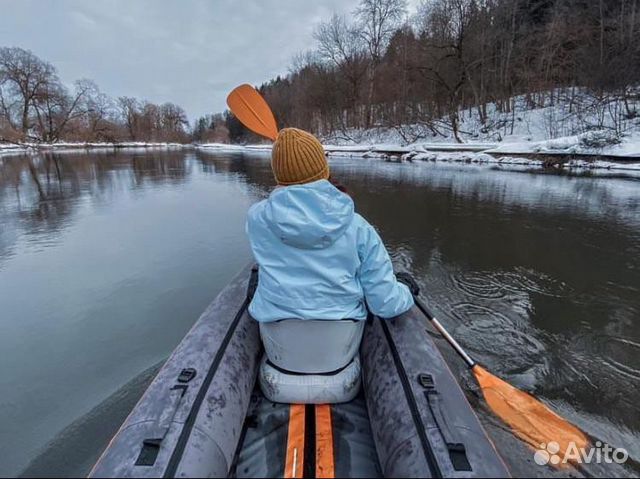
530,419
253,111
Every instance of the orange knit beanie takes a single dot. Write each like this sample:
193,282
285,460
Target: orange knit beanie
297,158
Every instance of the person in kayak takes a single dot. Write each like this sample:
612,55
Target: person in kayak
317,258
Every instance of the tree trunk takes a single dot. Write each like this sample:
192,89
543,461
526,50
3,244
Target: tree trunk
370,95
25,118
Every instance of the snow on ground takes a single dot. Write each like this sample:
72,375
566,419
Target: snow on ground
594,143
562,122
478,154
15,148
229,148
629,146
11,147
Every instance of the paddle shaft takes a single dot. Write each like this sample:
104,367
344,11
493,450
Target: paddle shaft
450,339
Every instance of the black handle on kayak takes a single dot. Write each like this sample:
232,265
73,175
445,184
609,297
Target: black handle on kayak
408,280
152,444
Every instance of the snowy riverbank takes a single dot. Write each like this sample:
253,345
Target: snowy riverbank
21,148
537,154
478,153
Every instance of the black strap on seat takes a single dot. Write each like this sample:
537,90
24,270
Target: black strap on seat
455,445
296,373
348,320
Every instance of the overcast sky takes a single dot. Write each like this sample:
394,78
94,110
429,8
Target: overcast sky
191,52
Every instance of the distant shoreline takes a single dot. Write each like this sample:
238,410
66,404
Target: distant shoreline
34,147
454,153
479,153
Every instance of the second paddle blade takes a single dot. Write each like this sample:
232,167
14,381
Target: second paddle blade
530,419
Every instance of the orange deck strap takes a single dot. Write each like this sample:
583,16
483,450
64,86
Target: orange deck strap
325,466
294,464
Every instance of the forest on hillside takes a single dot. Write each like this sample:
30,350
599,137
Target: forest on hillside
384,66
428,73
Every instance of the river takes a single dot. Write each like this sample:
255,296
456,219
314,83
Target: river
107,258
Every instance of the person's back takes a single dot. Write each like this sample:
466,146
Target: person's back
318,259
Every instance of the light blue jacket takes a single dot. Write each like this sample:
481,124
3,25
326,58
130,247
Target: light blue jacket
319,259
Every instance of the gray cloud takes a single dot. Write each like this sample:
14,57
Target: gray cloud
191,52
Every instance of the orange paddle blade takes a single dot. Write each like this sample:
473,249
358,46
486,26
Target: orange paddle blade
530,419
252,110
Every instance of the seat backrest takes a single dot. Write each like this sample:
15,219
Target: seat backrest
311,346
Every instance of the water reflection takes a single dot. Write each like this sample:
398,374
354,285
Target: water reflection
96,252
538,275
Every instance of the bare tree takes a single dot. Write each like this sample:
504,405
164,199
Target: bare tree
38,106
341,45
99,112
446,26
56,108
8,129
27,77
173,122
377,22
129,109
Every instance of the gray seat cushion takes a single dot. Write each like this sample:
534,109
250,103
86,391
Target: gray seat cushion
311,361
311,346
281,387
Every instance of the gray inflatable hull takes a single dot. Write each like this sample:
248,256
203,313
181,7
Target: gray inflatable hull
189,423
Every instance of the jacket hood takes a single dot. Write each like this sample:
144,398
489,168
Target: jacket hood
309,216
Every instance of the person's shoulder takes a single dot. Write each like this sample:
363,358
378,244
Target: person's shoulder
255,213
256,209
363,228
360,222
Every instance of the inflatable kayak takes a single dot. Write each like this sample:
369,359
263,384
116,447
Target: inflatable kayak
228,404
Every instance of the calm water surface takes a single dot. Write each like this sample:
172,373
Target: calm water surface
107,259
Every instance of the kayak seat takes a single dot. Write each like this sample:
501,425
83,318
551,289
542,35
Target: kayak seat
311,346
311,361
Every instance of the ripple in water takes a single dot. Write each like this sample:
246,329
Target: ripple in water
523,279
491,332
616,353
498,284
480,285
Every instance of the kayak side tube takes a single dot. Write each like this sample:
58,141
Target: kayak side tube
422,423
189,421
